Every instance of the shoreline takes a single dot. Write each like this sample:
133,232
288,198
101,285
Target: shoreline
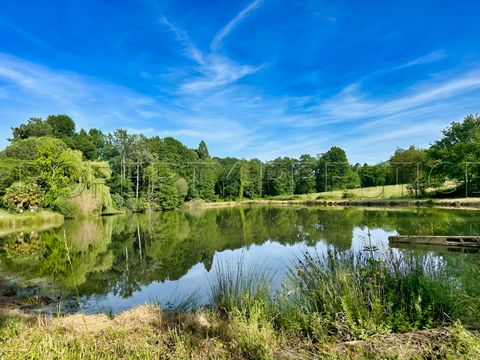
148,331
457,203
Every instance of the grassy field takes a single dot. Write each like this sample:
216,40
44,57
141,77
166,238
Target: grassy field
29,221
331,306
375,192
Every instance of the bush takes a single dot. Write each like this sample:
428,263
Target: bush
22,196
251,331
137,206
348,195
118,201
66,207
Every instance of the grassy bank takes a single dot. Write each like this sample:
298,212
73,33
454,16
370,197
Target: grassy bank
28,221
148,333
334,306
460,203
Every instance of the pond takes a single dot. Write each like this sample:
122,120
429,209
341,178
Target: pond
114,263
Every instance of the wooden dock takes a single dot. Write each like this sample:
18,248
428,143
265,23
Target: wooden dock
455,241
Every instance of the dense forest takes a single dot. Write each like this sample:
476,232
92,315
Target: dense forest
49,164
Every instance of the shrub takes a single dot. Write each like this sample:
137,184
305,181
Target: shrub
22,196
118,201
348,195
181,186
67,207
137,206
251,332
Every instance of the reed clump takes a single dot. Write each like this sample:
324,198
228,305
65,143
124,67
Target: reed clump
355,295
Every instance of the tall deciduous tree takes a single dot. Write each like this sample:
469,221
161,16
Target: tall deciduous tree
62,126
410,166
334,172
458,151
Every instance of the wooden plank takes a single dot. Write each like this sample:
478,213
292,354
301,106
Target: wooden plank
451,249
461,241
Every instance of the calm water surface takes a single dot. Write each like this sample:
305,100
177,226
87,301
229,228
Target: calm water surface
122,261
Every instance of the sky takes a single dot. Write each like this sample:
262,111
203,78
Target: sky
261,78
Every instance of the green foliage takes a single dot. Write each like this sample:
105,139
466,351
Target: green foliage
202,151
62,126
181,186
411,166
35,127
252,331
66,207
278,177
375,175
236,287
204,179
163,188
305,175
252,187
353,295
137,206
457,152
22,196
334,171
46,149
32,148
84,143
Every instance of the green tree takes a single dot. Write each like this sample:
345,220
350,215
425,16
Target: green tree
278,177
84,143
140,158
334,171
181,186
410,166
304,174
253,179
458,152
35,127
374,175
202,151
62,126
99,141
162,186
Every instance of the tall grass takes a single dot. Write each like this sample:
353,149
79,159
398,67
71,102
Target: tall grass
345,295
235,286
28,221
352,295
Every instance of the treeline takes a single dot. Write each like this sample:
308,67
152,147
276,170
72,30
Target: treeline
51,164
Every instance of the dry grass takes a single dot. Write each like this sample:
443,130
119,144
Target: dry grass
86,203
375,192
147,333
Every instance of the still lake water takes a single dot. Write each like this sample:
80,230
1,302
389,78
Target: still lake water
123,261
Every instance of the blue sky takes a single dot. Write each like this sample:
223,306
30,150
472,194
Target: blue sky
259,78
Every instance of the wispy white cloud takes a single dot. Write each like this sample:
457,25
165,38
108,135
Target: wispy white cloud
218,71
190,50
424,59
217,42
215,70
352,103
